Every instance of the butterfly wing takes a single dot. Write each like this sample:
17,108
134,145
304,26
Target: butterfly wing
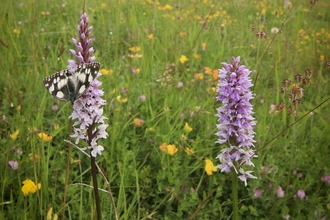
66,86
56,84
84,76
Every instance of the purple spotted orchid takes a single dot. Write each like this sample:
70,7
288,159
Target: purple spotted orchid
236,123
88,108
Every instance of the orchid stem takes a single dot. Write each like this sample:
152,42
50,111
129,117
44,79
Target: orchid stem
96,191
235,195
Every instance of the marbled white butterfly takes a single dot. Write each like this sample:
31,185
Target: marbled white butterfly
66,86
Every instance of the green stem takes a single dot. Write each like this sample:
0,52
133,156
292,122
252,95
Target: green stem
234,195
96,191
94,171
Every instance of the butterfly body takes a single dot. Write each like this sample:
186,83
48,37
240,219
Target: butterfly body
67,86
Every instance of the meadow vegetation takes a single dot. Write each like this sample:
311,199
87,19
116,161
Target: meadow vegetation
160,62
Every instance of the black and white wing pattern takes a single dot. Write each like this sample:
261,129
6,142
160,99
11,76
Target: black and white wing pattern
66,86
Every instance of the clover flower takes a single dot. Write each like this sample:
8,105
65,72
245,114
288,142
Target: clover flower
235,119
88,108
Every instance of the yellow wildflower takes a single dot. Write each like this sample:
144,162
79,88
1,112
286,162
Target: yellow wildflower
203,46
114,90
171,149
263,11
121,100
103,5
198,17
43,13
50,215
187,128
34,157
135,49
182,33
198,76
322,58
189,151
215,74
106,72
208,70
55,217
196,56
56,126
302,32
209,167
16,31
163,147
45,136
183,59
151,36
138,122
168,7
14,136
30,187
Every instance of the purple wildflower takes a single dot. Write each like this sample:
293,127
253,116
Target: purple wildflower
13,164
235,118
257,193
245,175
325,178
301,194
88,108
133,70
84,51
55,107
143,98
286,217
280,193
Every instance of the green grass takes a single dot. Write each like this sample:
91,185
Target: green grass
147,183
